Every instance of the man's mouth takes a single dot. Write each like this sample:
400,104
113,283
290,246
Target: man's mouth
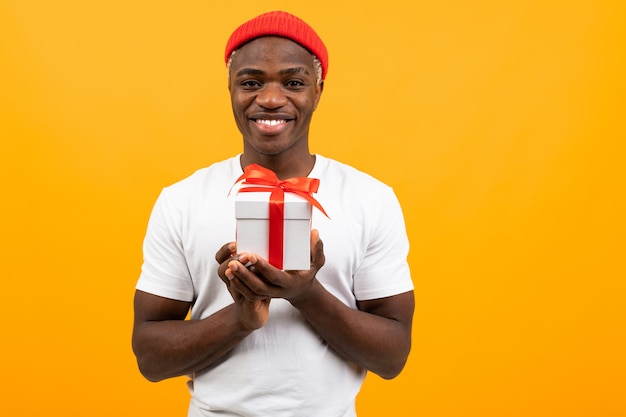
270,122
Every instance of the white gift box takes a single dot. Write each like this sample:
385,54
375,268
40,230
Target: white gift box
252,215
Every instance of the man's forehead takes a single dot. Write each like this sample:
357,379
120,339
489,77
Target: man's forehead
272,48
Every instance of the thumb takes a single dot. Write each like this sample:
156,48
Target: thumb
317,250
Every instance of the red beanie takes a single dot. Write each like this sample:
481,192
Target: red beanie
280,24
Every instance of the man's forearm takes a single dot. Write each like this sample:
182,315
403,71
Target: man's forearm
171,348
378,343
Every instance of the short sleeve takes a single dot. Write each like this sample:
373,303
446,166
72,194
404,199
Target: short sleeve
384,270
164,271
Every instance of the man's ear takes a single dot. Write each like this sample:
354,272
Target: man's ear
318,93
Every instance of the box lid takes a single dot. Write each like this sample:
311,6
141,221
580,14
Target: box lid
255,205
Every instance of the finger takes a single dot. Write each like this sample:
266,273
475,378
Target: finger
226,268
226,252
269,276
232,265
246,282
317,250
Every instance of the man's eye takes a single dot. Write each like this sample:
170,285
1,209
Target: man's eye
294,83
250,83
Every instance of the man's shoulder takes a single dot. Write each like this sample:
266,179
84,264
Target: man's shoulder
217,174
335,171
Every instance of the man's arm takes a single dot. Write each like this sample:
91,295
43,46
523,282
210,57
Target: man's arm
166,345
377,336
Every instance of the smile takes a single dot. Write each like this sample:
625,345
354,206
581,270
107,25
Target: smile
270,122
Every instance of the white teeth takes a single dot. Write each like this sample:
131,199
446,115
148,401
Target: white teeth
271,122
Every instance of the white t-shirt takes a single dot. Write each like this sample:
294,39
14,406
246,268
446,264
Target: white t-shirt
284,368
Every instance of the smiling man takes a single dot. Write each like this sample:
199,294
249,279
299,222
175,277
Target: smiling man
262,341
274,91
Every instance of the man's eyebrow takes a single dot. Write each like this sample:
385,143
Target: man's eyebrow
294,70
257,72
249,71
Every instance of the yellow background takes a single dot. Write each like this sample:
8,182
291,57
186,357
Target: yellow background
500,124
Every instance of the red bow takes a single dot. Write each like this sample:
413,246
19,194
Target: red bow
266,180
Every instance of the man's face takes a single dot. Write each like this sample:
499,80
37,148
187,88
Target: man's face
273,94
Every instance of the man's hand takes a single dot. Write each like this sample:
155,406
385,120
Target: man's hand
252,309
260,281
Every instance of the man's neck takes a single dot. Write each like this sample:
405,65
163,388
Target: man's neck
283,167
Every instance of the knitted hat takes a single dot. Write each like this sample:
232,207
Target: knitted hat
281,24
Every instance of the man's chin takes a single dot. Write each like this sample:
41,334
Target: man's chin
269,145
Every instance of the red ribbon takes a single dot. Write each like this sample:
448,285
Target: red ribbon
266,180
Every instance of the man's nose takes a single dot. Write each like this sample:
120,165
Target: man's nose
271,96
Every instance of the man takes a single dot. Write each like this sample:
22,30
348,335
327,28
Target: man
262,341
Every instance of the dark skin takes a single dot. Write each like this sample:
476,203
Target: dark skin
273,94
